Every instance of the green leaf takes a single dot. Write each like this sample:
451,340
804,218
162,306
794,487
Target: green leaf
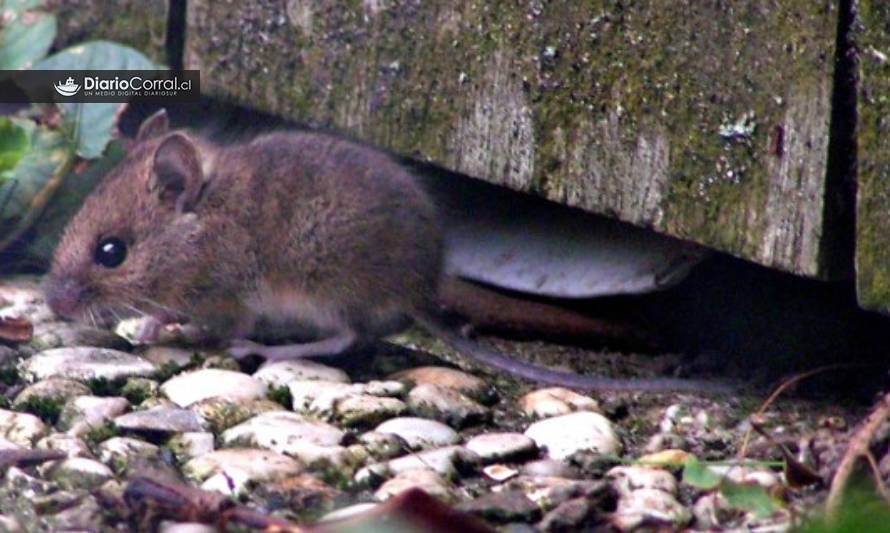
698,475
45,154
25,36
750,497
14,144
91,125
21,5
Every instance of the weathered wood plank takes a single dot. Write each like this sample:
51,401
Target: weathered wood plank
708,121
873,139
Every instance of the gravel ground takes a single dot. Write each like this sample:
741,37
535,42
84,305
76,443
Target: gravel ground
308,440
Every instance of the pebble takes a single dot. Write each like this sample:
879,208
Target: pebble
474,387
73,446
364,410
190,387
163,355
160,420
381,446
22,297
550,468
503,507
319,398
119,451
555,401
421,478
419,433
577,514
20,290
80,473
551,491
446,404
280,373
499,472
492,447
561,436
650,508
52,389
219,414
444,461
626,479
396,389
84,363
56,334
248,464
21,428
84,413
284,432
191,444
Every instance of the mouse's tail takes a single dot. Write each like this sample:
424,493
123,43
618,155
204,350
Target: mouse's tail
548,376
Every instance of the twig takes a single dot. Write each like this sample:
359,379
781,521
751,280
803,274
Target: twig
857,448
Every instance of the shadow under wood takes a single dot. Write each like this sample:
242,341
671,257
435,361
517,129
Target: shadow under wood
728,317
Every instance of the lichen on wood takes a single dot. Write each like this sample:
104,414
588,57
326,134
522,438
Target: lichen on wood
661,114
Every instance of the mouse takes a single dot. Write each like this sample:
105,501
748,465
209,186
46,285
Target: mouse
289,235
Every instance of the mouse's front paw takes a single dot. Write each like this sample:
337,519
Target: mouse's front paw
241,348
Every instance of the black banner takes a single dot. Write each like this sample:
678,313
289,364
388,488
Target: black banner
78,86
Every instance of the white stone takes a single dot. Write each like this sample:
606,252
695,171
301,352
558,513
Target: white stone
160,419
501,446
319,398
84,413
56,389
84,363
447,404
186,389
424,479
364,409
446,377
191,444
628,478
420,433
283,432
21,428
257,465
280,373
564,435
555,401
80,473
650,507
72,446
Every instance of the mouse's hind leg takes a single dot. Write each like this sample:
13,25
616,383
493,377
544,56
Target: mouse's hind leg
339,342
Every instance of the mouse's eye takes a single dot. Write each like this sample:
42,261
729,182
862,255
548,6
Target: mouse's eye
110,252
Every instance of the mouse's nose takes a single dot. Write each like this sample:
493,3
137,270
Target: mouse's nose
64,296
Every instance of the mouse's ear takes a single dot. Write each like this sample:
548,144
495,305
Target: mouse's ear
156,125
176,175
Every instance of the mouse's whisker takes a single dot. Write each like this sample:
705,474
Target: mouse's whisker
91,315
132,310
113,312
154,304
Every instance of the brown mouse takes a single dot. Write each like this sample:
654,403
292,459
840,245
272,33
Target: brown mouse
291,235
